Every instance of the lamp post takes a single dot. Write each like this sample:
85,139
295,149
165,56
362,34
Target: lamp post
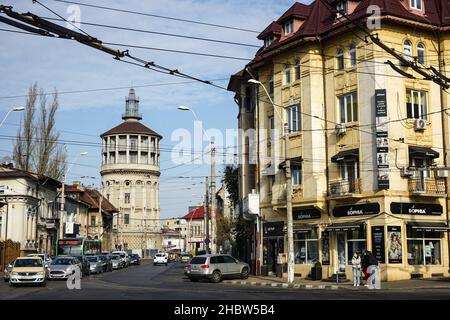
213,187
15,109
61,209
289,218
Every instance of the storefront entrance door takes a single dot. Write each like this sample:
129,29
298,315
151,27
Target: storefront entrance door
341,238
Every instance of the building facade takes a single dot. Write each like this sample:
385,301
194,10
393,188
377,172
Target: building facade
28,214
367,136
130,179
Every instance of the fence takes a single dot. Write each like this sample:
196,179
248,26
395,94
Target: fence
9,251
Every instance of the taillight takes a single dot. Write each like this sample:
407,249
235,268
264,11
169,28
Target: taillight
188,266
204,266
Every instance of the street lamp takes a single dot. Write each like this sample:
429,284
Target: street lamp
289,219
11,110
61,209
213,189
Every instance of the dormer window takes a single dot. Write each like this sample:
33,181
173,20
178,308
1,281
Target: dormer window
416,4
341,8
288,27
268,41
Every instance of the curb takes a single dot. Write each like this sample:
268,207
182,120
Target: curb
283,285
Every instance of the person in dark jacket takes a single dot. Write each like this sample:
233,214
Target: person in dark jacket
365,262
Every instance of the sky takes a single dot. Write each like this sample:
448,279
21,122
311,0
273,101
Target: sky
69,66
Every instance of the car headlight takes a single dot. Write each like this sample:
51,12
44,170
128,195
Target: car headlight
14,273
41,273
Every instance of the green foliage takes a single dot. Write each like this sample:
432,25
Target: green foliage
231,181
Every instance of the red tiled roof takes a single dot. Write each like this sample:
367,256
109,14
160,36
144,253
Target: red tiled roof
297,10
198,213
10,172
273,28
131,127
92,198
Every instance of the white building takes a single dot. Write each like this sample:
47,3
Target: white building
130,179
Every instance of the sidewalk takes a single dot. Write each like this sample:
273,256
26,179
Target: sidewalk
433,283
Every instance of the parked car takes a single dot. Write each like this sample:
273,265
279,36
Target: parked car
106,262
215,267
7,271
27,270
161,258
116,261
124,256
95,264
63,266
85,265
185,258
135,259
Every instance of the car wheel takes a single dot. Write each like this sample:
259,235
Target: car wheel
12,284
216,276
244,273
6,280
193,279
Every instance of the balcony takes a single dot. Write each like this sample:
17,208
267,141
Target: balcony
345,188
297,193
428,187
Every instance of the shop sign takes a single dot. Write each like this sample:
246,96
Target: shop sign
395,250
357,210
306,214
382,148
423,209
273,229
325,248
378,248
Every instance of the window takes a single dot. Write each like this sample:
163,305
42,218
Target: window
268,41
271,128
341,9
348,108
421,173
112,157
270,182
416,104
122,157
356,242
421,53
340,59
297,70
294,119
352,55
271,85
287,73
93,221
122,143
126,218
415,4
127,198
424,247
133,157
296,174
144,157
407,50
133,143
288,27
349,170
306,247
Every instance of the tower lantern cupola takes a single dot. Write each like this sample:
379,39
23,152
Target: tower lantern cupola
132,107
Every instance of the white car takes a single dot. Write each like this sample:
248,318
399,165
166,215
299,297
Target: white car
124,257
161,258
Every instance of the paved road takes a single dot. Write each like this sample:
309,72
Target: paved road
168,283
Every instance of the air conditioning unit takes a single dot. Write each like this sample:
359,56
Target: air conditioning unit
441,173
406,172
340,129
420,124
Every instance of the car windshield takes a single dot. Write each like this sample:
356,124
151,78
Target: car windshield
198,260
160,255
92,259
20,263
115,257
62,262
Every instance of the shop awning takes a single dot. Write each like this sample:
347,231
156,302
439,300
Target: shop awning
429,226
423,152
345,155
344,226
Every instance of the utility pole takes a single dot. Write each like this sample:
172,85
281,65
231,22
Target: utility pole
290,226
213,199
61,209
145,236
206,240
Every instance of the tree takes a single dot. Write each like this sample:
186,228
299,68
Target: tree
224,231
36,148
231,181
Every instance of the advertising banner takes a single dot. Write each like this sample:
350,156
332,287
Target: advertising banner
382,156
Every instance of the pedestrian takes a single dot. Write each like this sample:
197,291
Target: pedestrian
356,267
365,265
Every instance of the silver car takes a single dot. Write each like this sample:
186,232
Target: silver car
95,264
116,261
62,267
7,271
215,267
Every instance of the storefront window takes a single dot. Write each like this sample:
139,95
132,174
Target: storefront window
356,242
424,248
306,247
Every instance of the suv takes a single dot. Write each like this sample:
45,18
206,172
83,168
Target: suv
161,258
124,257
215,267
28,270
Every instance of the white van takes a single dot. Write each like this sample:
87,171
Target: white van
161,258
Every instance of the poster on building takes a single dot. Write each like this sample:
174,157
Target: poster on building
395,244
378,249
382,148
325,248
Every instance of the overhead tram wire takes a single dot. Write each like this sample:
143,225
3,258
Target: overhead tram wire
159,16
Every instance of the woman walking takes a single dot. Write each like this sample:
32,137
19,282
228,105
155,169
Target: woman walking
356,266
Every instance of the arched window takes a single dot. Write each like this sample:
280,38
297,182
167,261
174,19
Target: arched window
421,53
407,50
352,55
340,59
